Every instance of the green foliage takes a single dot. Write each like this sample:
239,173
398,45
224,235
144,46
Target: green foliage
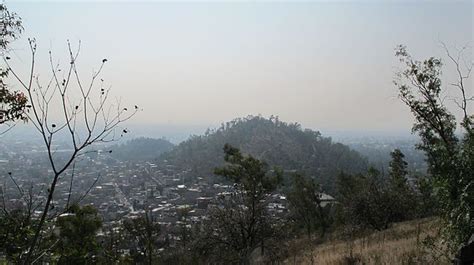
280,144
143,231
364,200
16,230
371,201
11,27
76,234
427,203
112,242
248,173
398,169
304,200
450,156
241,224
12,103
402,195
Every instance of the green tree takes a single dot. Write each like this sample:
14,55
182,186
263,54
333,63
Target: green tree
143,232
111,244
76,235
402,195
12,103
240,223
364,201
304,200
17,222
450,155
15,231
374,201
427,203
398,168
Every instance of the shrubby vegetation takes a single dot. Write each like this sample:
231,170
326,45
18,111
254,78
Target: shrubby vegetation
143,233
308,212
372,201
281,144
242,225
239,229
74,237
16,227
141,149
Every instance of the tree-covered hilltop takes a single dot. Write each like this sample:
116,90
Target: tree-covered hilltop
278,143
141,149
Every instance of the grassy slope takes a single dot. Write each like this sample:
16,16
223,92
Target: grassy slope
401,244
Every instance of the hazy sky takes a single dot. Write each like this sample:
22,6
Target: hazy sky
326,65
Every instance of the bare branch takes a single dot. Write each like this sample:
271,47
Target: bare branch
87,121
460,84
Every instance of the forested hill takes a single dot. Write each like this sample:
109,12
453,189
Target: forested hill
141,149
278,143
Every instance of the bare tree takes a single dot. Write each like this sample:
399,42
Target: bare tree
463,70
87,117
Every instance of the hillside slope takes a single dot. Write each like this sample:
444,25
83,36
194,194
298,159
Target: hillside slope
141,149
278,143
401,244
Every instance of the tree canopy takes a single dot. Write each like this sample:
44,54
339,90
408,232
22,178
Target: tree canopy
281,144
12,103
450,155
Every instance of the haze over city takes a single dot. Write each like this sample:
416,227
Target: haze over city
237,132
326,65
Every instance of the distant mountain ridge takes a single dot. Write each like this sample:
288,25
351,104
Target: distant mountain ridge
278,143
141,149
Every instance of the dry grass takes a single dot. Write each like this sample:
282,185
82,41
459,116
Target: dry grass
401,244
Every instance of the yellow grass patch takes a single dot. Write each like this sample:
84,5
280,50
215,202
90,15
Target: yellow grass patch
400,244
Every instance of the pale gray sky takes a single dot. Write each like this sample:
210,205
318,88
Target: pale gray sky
326,65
